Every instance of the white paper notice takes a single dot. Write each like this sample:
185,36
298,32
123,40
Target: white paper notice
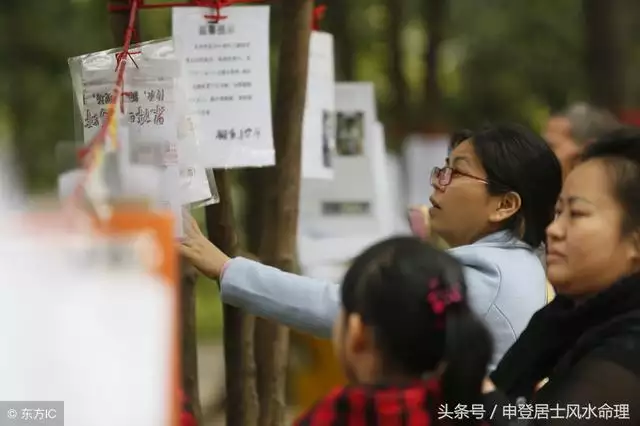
319,129
398,194
384,207
421,154
344,206
227,68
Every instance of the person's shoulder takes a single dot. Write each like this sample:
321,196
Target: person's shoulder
617,341
502,260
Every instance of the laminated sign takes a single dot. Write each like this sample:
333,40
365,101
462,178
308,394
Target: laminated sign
156,124
226,65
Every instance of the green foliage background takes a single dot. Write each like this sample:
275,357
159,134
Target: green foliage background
501,60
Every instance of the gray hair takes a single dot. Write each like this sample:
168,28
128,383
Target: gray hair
589,123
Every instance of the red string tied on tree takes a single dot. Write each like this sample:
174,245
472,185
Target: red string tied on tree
318,15
216,5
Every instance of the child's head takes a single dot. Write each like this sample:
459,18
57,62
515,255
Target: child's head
404,314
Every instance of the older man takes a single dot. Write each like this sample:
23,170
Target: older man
568,133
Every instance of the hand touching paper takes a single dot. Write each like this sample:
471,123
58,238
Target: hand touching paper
198,250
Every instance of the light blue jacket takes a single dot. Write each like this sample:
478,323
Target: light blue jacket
505,279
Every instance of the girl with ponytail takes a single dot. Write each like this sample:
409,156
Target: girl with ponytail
409,344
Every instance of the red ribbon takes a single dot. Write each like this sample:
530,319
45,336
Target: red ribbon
318,15
216,5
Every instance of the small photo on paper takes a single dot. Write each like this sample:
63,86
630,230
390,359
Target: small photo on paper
350,139
346,208
328,135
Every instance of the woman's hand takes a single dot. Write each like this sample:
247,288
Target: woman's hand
199,251
419,221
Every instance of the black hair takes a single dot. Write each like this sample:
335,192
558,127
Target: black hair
517,159
459,136
388,286
620,153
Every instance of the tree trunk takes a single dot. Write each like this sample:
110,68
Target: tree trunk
253,182
337,18
241,402
434,15
399,108
278,245
189,343
603,57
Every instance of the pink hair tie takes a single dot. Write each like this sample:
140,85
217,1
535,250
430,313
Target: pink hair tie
439,297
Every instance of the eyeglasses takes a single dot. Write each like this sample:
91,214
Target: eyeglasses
441,176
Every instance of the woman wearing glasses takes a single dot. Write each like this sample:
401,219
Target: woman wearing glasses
491,204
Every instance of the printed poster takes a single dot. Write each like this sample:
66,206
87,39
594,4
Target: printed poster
227,67
345,205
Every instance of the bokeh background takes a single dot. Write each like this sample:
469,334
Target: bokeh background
436,64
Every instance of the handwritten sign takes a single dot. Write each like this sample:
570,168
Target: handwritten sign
150,127
155,116
227,65
319,127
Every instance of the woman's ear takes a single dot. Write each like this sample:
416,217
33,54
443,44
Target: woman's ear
508,205
358,337
634,251
355,333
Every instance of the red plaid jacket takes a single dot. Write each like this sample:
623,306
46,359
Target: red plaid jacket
413,405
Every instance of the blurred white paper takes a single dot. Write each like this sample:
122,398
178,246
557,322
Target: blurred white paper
319,129
421,153
332,250
194,183
330,272
139,181
227,66
344,206
315,250
96,338
398,195
384,207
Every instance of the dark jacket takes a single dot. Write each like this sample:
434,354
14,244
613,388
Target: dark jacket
590,354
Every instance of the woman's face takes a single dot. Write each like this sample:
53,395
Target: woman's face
586,250
463,210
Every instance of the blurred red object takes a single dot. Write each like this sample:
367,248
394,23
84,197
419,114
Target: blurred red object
631,117
186,418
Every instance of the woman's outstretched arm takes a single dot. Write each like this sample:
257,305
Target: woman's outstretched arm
306,304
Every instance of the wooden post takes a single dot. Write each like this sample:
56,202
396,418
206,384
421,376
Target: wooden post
189,342
241,401
434,14
278,245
